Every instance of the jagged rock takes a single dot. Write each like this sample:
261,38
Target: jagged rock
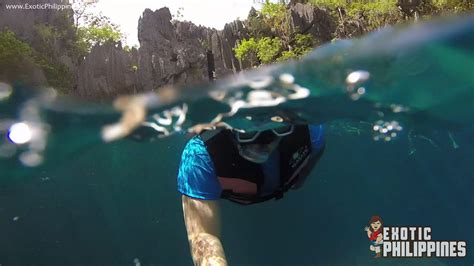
252,12
24,22
27,24
315,21
231,34
175,51
106,72
170,52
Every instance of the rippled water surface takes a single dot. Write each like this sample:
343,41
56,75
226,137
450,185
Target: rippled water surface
398,105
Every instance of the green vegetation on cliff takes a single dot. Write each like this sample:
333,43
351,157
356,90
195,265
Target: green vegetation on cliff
14,54
273,39
55,48
93,28
356,17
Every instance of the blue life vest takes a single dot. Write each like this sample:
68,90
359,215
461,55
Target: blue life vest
236,171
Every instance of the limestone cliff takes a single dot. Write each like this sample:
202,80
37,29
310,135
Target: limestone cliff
106,72
49,33
174,52
171,52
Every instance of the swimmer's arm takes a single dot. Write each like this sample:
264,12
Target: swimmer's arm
202,221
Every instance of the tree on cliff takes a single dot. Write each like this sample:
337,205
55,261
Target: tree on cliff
15,56
56,46
274,38
37,59
357,17
93,28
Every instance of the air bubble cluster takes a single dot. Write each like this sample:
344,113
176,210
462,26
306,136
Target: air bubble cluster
260,91
24,137
386,131
354,82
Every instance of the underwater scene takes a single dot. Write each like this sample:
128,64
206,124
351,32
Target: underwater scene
87,182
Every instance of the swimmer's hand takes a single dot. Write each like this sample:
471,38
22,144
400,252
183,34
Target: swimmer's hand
197,129
366,229
134,111
133,114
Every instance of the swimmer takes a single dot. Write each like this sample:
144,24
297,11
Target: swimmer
245,167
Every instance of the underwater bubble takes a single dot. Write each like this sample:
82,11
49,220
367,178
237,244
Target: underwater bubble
357,77
31,159
5,91
361,90
248,117
16,218
287,78
396,108
384,130
20,133
261,82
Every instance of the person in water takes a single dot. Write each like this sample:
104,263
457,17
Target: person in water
245,167
374,232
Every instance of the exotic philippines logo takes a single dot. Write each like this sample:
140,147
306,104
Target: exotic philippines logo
410,242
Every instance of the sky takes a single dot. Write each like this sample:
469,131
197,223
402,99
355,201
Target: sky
209,13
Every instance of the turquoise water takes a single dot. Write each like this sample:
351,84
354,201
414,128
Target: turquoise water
67,197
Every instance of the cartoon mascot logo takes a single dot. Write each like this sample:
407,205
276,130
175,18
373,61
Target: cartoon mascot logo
374,232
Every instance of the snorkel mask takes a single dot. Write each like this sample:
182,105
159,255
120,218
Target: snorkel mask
258,134
263,137
257,146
